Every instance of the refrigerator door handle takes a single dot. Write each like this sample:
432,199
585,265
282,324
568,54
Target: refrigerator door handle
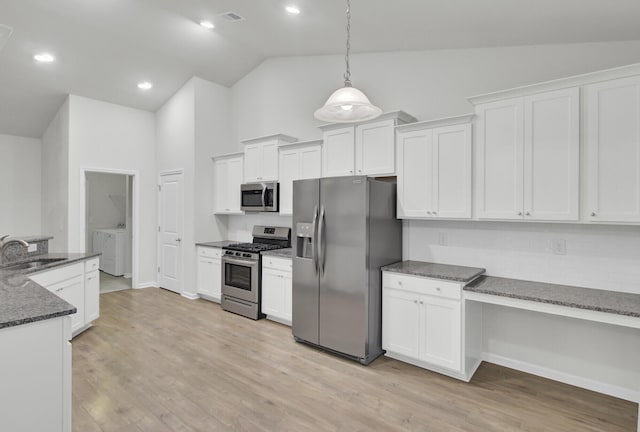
314,239
321,250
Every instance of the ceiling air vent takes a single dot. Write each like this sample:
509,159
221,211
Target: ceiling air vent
5,33
231,17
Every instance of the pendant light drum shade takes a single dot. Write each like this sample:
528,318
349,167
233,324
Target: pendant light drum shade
347,105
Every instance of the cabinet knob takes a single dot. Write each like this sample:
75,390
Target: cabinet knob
434,213
359,171
528,214
421,302
593,214
438,289
350,171
400,283
428,213
519,213
415,301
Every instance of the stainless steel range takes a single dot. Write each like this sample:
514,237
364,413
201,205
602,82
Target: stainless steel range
241,270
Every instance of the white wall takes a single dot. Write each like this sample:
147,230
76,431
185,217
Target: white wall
106,202
112,137
55,180
281,94
240,226
20,186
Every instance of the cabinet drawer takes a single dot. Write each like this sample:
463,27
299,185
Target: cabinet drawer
48,278
91,265
274,263
424,286
210,252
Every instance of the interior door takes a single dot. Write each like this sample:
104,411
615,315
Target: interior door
170,259
344,281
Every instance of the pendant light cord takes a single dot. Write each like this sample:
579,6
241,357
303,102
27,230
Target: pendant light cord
347,74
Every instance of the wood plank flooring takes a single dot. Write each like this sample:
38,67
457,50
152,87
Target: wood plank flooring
157,362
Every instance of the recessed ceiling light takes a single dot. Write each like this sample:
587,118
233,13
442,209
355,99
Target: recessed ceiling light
44,58
292,10
207,24
145,85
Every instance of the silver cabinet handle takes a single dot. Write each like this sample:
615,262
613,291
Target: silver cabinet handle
593,214
359,171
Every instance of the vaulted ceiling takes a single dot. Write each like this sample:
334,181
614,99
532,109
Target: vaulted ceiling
103,48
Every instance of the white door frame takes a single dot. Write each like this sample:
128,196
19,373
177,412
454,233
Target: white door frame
158,212
135,241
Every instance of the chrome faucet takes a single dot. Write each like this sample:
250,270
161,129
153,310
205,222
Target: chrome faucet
4,243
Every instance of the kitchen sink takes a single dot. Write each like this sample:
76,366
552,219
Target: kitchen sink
31,264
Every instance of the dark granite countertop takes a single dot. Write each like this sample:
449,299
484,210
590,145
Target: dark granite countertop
563,295
217,244
436,271
279,253
24,301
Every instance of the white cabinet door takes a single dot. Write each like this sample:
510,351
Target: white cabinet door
269,163
401,322
287,288
289,171
252,162
500,144
613,151
415,173
228,178
441,337
72,291
205,278
92,296
451,172
221,168
338,152
375,148
273,296
310,162
552,155
216,291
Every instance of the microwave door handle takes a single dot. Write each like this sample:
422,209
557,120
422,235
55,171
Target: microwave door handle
321,246
314,239
264,196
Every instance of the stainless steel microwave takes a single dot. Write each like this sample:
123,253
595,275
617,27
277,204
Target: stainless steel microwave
260,197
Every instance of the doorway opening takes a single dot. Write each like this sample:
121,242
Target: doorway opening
109,226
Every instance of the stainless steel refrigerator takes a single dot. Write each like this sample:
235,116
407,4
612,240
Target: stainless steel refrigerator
345,230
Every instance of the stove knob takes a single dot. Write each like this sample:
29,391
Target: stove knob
246,255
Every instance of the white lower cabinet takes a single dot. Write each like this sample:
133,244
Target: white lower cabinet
209,277
422,324
77,284
36,376
276,289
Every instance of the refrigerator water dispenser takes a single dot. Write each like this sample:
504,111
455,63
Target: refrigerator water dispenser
304,238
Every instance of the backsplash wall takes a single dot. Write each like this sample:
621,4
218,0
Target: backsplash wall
597,256
239,227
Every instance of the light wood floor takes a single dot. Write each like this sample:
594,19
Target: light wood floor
157,362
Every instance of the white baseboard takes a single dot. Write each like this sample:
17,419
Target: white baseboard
209,298
147,285
127,275
564,377
190,296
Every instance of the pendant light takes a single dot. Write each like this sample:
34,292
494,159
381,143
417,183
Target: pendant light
347,104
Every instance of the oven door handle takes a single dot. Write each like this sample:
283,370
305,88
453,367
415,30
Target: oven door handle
241,262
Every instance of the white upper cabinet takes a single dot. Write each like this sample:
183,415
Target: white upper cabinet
261,157
528,157
228,176
362,148
297,161
434,169
613,151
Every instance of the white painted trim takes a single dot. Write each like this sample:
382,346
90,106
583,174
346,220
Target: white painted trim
428,366
301,144
439,122
169,172
279,320
572,81
127,275
227,155
209,298
190,296
279,137
399,115
146,285
553,309
563,377
135,217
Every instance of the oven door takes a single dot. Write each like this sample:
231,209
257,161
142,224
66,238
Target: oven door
241,278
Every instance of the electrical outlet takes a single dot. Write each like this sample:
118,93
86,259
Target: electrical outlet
443,239
559,246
